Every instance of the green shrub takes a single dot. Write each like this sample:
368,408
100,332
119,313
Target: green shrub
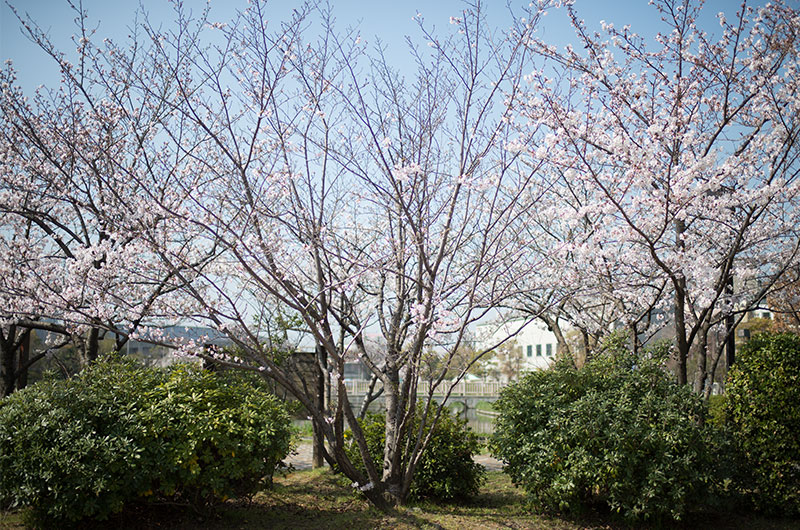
763,394
118,433
617,433
446,469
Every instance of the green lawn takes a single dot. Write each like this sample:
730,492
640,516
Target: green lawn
319,500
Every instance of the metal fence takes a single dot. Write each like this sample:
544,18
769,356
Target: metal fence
462,388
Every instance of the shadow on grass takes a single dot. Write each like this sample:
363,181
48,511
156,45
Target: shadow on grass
500,504
301,500
319,499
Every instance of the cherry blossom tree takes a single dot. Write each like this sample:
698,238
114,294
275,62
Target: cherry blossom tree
359,200
75,161
681,154
590,294
231,164
205,170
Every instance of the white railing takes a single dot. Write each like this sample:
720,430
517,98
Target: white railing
462,388
356,388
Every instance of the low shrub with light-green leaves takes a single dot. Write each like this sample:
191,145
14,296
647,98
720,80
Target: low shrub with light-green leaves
119,433
618,433
763,412
446,469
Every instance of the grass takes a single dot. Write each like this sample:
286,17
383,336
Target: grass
457,407
11,519
486,411
486,406
318,499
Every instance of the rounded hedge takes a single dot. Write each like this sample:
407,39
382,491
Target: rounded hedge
446,469
617,433
118,433
763,408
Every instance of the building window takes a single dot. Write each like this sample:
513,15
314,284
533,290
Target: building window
549,350
530,350
766,315
538,350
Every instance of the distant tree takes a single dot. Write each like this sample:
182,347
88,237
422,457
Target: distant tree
505,361
462,362
784,302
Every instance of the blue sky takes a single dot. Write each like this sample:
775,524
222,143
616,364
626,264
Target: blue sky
389,20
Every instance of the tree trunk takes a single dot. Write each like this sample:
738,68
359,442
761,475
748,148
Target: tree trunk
562,347
730,330
636,342
702,360
586,347
318,444
91,347
679,282
680,334
392,476
370,396
716,356
24,357
8,361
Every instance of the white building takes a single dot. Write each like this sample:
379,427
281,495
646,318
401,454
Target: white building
535,344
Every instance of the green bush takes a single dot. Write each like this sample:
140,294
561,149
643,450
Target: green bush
446,469
118,433
763,397
617,433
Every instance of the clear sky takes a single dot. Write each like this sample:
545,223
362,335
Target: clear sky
390,20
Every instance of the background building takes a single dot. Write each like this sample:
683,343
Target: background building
530,345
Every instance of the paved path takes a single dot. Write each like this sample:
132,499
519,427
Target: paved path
301,459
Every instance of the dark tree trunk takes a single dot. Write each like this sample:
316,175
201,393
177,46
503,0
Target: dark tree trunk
587,347
91,347
635,341
679,283
562,347
24,357
8,361
702,360
680,335
318,445
392,468
730,330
